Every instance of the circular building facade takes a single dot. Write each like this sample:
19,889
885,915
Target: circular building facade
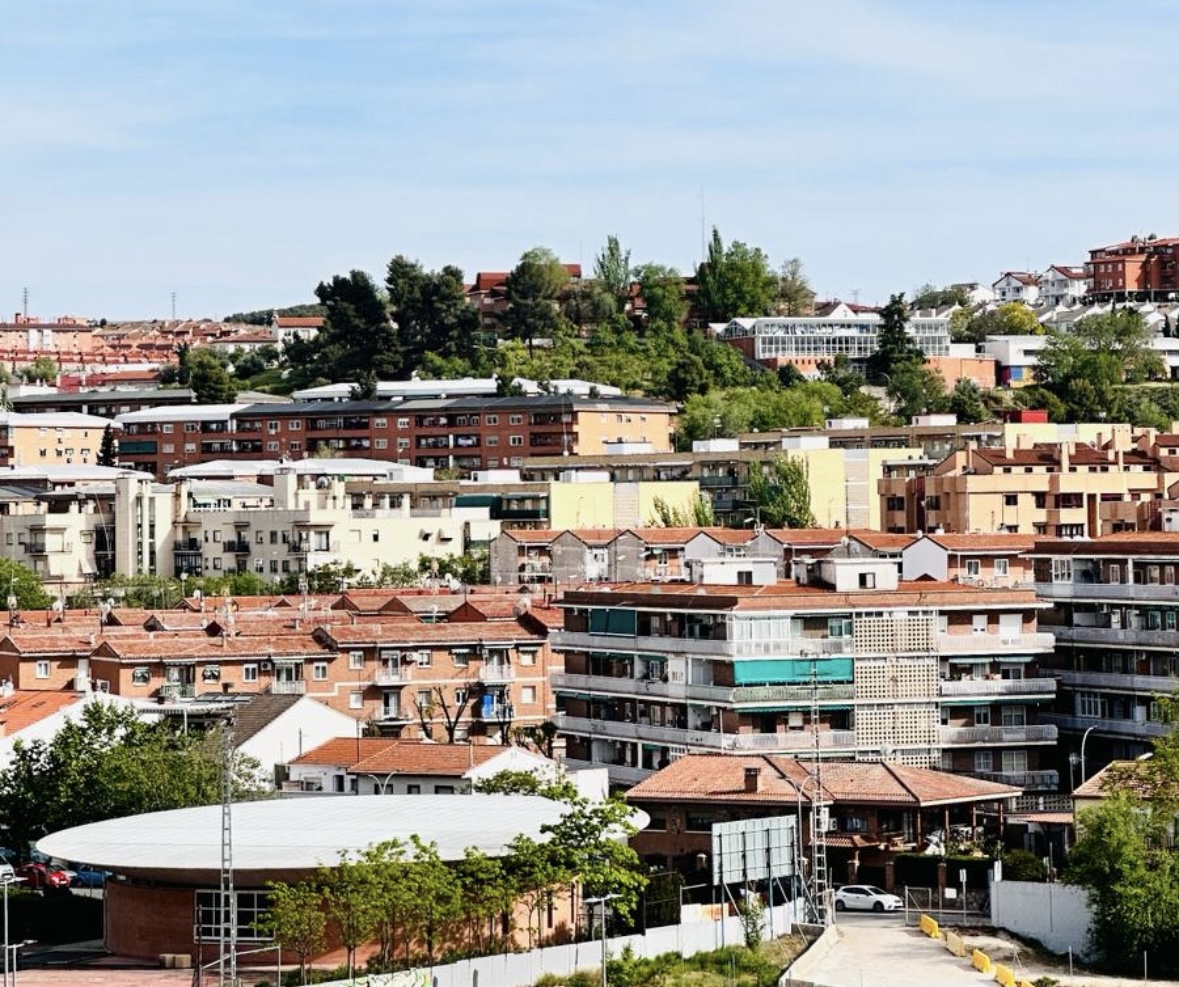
165,895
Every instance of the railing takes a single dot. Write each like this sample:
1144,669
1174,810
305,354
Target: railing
1038,734
1014,643
795,740
1141,592
392,675
648,688
1118,682
237,547
1123,728
583,641
793,693
178,690
996,687
1029,781
623,774
391,715
296,687
1132,636
495,672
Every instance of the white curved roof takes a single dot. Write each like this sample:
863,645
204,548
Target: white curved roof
302,833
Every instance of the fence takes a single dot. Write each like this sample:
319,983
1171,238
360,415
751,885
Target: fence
522,969
1057,915
952,909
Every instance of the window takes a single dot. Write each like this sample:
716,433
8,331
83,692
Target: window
444,789
1015,762
515,440
1115,573
492,440
974,568
1062,570
1089,705
515,419
413,789
1014,716
982,716
933,503
355,659
461,695
983,761
250,673
380,443
461,657
380,423
492,419
211,673
839,627
527,657
294,426
1002,567
403,423
319,671
424,659
42,670
528,694
356,700
1011,500
167,429
867,580
140,675
251,908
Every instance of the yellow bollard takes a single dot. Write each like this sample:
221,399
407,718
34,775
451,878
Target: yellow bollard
980,961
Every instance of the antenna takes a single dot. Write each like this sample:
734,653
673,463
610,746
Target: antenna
173,306
25,302
855,293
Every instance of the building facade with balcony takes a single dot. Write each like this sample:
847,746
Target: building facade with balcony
847,662
1115,607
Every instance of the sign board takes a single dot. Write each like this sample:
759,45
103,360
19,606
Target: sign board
753,849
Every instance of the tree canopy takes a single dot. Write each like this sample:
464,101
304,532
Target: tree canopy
208,378
780,495
18,580
357,333
735,281
895,349
533,291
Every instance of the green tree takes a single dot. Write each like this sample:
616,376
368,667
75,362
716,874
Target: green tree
613,271
534,290
357,333
110,763
18,580
697,513
795,295
1008,319
433,313
662,291
296,920
780,494
42,370
931,296
894,347
915,389
435,889
209,380
353,904
484,895
735,281
108,450
965,401
365,388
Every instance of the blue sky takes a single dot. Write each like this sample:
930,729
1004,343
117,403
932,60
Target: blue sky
239,151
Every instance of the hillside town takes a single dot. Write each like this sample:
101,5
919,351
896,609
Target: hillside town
913,624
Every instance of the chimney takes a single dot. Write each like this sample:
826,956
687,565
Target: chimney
1066,452
753,779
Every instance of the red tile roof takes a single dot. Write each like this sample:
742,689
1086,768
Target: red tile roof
428,635
299,321
413,757
23,708
721,778
984,542
343,750
883,541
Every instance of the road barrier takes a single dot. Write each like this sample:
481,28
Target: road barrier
1004,976
930,927
980,961
954,943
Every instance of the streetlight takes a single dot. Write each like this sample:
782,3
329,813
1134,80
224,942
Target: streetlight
820,910
602,901
1084,737
9,879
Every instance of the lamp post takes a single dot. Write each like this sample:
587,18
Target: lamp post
11,879
820,912
1085,737
602,901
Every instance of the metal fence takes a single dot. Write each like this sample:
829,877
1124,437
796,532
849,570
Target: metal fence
948,905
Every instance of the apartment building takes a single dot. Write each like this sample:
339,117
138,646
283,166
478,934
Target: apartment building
846,662
1063,489
480,677
1140,269
460,434
1115,603
1017,286
1062,285
60,439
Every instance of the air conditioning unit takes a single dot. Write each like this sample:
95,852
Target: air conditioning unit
267,666
102,685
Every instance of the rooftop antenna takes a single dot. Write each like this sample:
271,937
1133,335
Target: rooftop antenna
173,306
25,302
855,293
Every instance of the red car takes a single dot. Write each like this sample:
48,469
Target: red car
43,876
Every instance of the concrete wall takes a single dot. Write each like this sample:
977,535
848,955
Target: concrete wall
1058,915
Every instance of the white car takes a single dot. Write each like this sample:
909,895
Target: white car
865,898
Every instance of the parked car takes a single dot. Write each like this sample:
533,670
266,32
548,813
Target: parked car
865,898
38,875
89,877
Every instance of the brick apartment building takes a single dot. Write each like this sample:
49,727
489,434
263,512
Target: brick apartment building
1138,269
462,434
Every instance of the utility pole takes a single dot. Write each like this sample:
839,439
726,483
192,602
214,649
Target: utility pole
173,306
227,967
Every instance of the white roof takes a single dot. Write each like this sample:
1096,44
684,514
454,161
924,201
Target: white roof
219,469
183,412
396,390
302,833
67,474
52,419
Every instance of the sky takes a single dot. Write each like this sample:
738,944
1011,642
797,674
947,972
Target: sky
237,152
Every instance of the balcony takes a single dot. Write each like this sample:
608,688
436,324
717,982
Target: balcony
1142,729
713,695
1133,637
177,690
799,740
994,644
392,675
1045,688
297,687
620,774
1140,592
494,711
583,641
187,546
394,714
495,673
1029,781
237,547
1117,682
970,736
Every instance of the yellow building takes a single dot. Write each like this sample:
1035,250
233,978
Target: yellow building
64,438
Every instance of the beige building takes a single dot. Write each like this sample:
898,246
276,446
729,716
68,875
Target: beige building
63,438
1062,490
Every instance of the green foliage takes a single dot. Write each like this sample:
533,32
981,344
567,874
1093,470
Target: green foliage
357,334
1023,865
561,789
662,291
17,579
735,281
208,378
110,763
533,291
106,451
613,271
795,295
966,401
894,347
1008,319
734,411
352,900
162,592
931,296
296,920
697,513
263,316
752,912
915,389
432,312
781,493
42,370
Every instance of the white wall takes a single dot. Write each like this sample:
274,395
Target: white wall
924,557
1058,915
301,728
46,729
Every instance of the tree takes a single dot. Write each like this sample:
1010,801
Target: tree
931,296
840,373
894,347
357,333
42,370
484,895
781,494
350,894
20,581
966,402
795,296
365,387
108,450
435,891
612,270
296,920
433,701
662,291
697,513
110,763
433,314
735,281
1008,319
915,389
209,380
533,290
